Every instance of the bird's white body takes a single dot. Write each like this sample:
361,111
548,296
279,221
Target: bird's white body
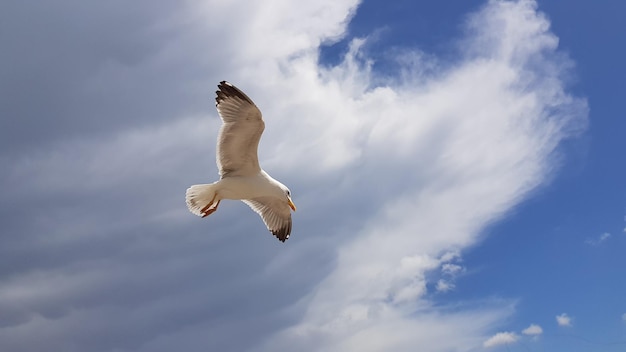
240,187
237,187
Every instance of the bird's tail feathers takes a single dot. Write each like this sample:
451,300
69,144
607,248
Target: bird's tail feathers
199,196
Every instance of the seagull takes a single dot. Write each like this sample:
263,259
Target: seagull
241,176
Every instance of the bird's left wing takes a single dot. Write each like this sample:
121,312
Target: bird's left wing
238,140
276,215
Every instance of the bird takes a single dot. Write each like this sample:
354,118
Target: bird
241,176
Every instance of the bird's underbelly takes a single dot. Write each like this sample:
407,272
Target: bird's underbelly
238,187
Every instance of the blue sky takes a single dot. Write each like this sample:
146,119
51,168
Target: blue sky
457,168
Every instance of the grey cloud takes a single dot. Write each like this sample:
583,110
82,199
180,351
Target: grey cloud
122,289
115,261
80,69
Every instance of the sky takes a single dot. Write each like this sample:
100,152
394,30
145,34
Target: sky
457,168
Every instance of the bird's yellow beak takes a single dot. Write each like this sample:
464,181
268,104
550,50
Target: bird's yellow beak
291,205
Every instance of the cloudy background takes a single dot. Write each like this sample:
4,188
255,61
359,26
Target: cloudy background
403,159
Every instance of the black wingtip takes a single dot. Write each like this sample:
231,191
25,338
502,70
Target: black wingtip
228,90
282,235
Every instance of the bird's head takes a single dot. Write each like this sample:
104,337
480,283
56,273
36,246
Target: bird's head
287,195
289,201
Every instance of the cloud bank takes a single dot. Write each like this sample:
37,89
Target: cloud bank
393,174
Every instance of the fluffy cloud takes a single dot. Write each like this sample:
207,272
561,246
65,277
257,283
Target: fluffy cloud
444,286
451,269
564,320
501,338
392,175
533,330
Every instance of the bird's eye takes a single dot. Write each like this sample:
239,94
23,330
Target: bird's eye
288,193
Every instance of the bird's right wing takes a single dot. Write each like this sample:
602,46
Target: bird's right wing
275,213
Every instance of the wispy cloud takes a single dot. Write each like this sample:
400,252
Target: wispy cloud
380,283
501,338
599,239
533,330
564,320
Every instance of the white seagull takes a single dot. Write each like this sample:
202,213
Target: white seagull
241,177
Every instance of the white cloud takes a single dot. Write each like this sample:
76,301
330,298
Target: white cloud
501,338
464,175
444,286
597,240
405,175
451,269
564,320
624,317
533,330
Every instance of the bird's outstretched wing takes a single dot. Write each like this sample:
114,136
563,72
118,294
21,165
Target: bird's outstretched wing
275,213
238,139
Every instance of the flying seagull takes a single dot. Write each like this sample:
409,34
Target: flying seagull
241,177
